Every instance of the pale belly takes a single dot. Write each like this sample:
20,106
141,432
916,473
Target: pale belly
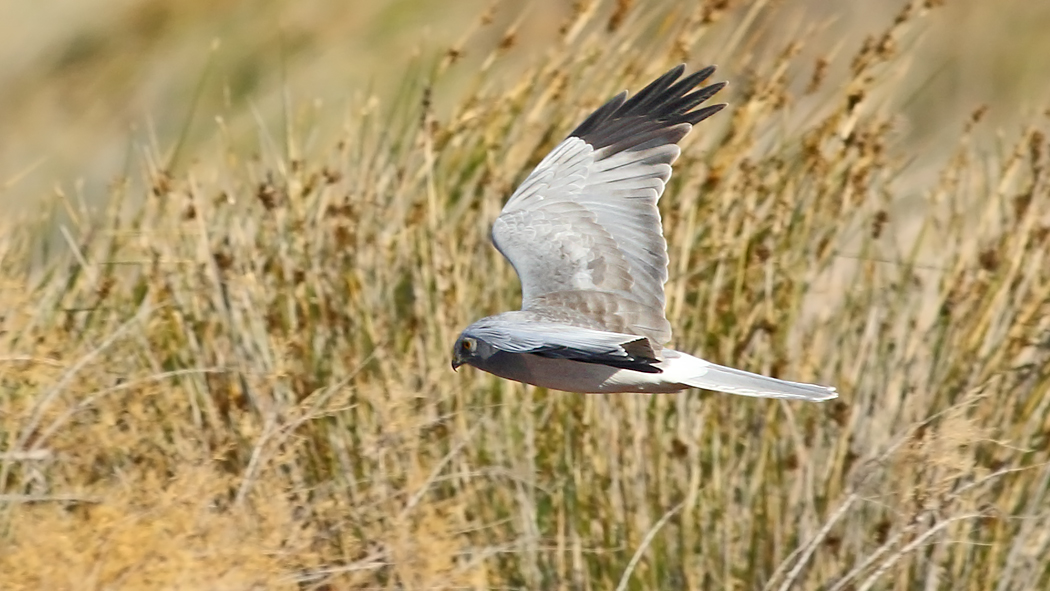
576,376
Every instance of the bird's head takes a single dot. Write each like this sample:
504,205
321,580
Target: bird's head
471,348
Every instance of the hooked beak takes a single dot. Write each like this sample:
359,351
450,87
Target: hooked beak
456,362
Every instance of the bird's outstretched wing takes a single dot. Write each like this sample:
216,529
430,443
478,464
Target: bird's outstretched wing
583,230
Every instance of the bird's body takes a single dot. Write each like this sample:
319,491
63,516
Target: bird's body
584,235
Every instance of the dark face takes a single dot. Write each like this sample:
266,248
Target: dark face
464,351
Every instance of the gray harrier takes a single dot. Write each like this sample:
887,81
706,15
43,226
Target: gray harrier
583,233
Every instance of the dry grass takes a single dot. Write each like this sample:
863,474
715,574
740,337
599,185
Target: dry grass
244,382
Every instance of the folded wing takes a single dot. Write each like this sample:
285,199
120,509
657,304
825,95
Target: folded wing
559,341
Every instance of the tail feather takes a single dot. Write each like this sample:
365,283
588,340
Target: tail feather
697,373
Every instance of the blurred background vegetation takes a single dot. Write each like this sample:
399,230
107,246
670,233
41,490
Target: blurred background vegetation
83,81
265,222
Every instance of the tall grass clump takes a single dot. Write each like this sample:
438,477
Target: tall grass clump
238,377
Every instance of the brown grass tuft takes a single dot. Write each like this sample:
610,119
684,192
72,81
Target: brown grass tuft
149,531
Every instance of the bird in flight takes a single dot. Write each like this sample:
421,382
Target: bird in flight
583,233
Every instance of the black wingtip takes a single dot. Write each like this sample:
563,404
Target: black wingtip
667,101
601,114
698,116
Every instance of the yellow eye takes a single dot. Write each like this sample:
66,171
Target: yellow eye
467,345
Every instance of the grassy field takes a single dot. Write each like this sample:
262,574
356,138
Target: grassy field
234,374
